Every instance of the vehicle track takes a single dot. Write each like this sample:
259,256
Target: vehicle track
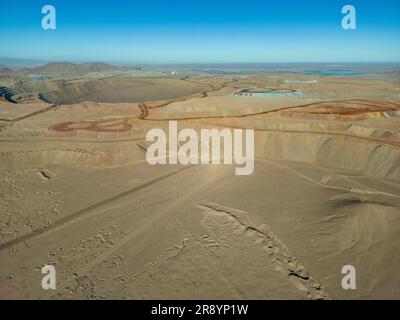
96,125
102,126
3,140
158,221
77,214
52,107
327,133
366,191
394,107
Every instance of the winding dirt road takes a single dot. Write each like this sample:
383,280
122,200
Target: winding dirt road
342,107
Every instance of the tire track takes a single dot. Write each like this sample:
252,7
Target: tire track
328,133
52,107
125,121
394,107
354,191
82,212
156,221
71,140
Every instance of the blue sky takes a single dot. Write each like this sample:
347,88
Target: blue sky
203,31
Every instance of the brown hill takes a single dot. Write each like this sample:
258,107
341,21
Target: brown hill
69,68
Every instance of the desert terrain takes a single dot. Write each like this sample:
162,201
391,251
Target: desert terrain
77,193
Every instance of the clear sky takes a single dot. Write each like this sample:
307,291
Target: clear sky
204,31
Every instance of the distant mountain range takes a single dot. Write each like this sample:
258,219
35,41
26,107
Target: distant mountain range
69,68
15,63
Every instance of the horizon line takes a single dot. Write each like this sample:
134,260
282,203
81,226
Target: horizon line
83,61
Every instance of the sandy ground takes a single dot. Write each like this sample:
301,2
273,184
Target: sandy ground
77,193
